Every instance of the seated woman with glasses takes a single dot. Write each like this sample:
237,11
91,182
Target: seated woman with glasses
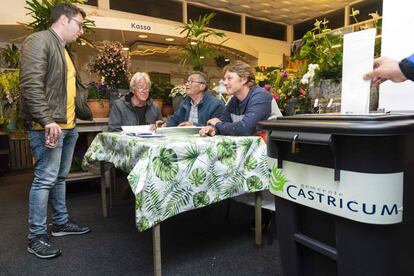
199,106
134,108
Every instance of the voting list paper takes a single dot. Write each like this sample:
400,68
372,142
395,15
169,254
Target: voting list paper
358,59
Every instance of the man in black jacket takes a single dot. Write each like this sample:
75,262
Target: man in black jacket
52,97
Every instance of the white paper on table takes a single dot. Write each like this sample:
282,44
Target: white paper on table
143,129
397,43
358,59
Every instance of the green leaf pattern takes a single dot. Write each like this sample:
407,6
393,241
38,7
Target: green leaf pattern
277,179
175,174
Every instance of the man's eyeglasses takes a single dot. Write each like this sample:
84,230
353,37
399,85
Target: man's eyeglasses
80,24
191,81
141,89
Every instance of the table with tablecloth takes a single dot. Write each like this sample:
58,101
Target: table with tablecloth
170,175
173,174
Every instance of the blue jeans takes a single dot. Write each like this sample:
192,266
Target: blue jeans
50,170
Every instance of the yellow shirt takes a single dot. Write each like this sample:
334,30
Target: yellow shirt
71,94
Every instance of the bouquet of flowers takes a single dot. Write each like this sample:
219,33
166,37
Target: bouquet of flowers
285,87
112,63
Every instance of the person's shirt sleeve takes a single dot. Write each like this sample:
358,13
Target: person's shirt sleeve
218,110
407,67
34,63
257,110
174,120
115,119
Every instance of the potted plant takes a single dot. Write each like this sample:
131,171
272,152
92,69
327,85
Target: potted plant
41,13
160,94
112,64
10,94
98,99
177,95
10,56
196,49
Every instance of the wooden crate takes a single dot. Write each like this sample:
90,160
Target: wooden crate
20,154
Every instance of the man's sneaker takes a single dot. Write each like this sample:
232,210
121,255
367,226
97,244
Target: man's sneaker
69,228
41,248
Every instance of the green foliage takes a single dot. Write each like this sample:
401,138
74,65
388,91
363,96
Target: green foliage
197,177
97,92
277,179
250,163
254,183
41,13
196,49
161,91
246,144
283,86
10,56
201,199
165,164
321,47
179,199
190,156
235,184
226,152
9,93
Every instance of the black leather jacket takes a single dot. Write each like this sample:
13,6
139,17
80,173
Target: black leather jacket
43,81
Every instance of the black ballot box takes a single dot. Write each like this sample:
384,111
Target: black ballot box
344,193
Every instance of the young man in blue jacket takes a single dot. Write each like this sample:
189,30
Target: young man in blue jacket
250,103
389,69
199,106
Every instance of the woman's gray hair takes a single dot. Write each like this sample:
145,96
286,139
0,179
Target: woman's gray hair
139,76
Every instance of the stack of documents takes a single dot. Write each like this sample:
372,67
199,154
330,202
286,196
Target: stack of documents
140,131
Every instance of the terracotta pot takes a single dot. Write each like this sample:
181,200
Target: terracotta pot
100,109
158,102
167,110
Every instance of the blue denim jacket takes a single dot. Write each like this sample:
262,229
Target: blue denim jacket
209,107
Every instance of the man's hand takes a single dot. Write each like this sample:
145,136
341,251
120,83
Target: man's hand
188,123
213,121
385,69
207,131
52,132
160,123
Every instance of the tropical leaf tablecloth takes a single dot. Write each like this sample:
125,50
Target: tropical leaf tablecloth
170,175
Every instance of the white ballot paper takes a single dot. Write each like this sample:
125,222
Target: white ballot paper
142,131
358,59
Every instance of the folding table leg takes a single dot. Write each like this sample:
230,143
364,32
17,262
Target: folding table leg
258,219
156,248
103,189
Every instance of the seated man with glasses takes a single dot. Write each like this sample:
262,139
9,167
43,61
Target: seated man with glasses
199,106
134,108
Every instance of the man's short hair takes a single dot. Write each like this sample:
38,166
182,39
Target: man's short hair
202,77
140,76
243,70
67,9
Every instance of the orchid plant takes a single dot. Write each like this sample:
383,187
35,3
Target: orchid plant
112,64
